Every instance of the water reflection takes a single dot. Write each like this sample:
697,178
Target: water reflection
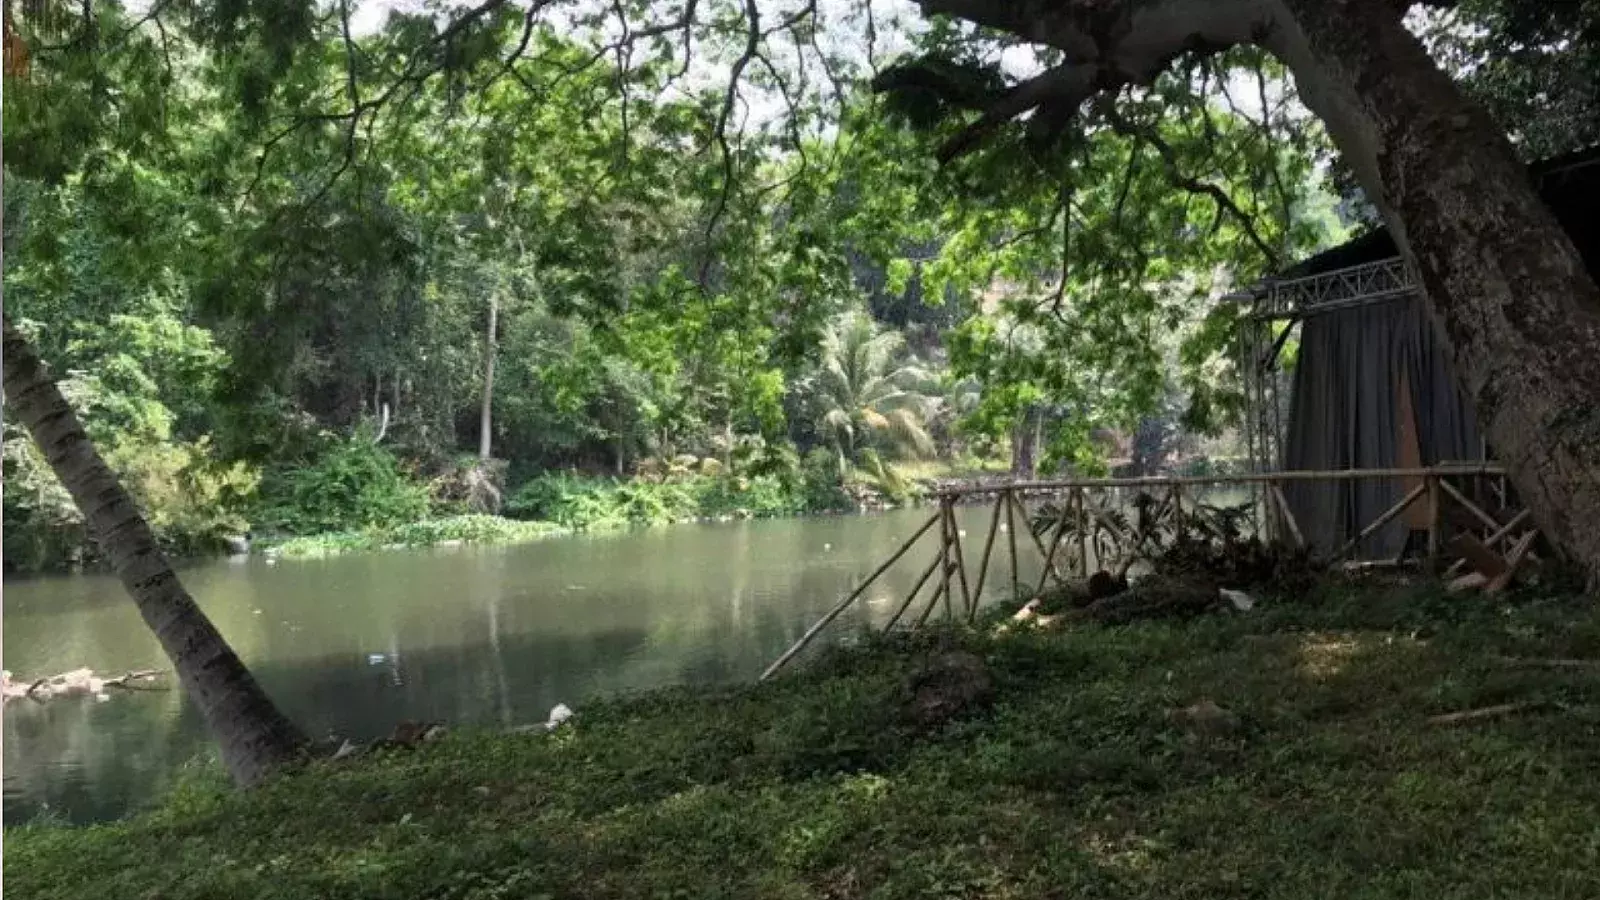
486,636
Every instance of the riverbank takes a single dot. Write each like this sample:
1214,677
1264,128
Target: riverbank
1086,776
563,504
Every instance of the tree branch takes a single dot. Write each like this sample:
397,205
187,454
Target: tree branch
1193,185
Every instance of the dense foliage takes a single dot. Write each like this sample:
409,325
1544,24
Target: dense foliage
305,278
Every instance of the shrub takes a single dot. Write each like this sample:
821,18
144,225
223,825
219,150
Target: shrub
354,485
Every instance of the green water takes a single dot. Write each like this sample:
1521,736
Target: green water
487,636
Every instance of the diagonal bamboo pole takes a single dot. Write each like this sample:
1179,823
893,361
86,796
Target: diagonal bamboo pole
1287,515
933,602
926,574
961,563
844,604
1011,532
1038,544
1490,521
988,548
1382,520
1055,544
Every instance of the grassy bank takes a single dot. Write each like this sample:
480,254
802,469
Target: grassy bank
1076,782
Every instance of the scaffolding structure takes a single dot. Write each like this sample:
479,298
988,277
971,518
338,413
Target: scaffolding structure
1276,306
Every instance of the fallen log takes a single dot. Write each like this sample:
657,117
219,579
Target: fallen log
77,681
1476,715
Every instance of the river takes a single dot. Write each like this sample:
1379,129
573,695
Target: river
472,636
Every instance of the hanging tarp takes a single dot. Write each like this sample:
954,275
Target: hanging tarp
1373,388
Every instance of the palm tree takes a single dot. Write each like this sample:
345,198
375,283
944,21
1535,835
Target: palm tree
868,391
254,736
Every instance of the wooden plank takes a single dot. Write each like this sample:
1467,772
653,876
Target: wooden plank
1477,715
1466,583
1519,552
1408,450
1479,558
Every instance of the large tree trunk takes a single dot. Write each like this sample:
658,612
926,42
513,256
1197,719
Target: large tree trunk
255,738
1519,309
1025,444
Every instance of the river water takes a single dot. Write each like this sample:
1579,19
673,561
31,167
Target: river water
484,636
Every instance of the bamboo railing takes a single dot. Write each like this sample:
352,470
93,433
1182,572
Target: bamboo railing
961,596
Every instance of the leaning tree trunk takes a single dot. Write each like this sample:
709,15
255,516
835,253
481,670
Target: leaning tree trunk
254,736
1519,309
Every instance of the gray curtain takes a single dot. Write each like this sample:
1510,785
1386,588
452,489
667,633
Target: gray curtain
1342,416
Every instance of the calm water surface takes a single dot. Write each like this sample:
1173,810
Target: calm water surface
485,636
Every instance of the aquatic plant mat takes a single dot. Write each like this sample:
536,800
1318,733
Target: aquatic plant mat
1358,742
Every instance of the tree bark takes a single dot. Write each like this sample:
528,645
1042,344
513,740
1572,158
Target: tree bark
1519,310
1025,444
254,736
485,431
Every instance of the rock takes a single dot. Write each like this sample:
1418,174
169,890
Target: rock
1205,718
950,685
559,714
1239,600
434,733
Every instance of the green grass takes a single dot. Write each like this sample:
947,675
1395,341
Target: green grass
426,533
1074,784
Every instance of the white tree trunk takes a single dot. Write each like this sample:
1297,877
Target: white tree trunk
485,418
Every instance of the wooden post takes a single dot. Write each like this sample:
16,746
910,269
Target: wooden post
926,574
988,548
1083,534
1011,531
948,519
1431,483
1180,526
844,604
